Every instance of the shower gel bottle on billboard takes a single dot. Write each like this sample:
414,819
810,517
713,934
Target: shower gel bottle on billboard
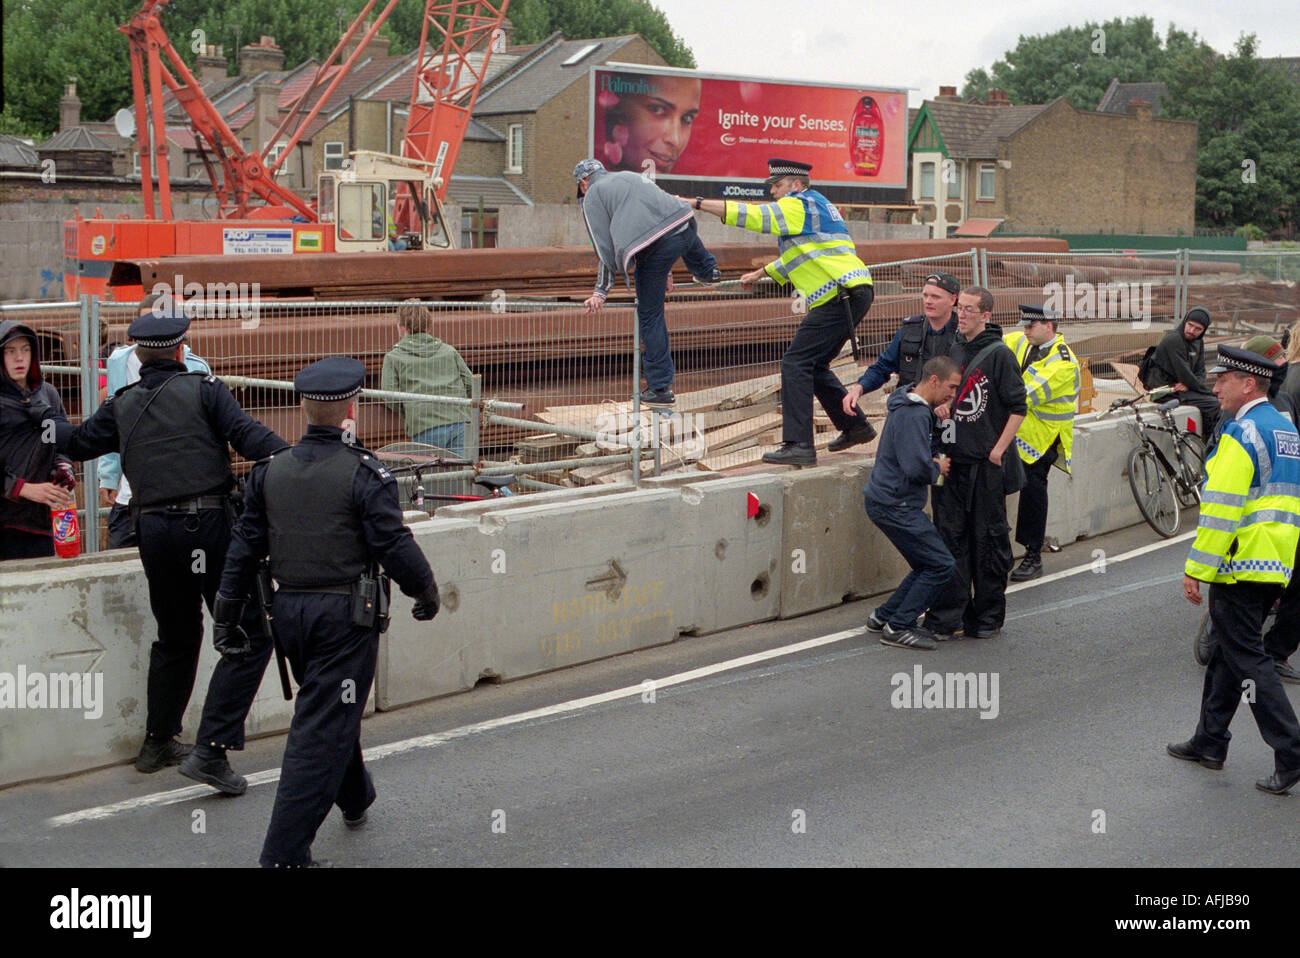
867,143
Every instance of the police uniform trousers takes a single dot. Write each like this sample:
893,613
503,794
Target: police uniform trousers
333,662
1031,514
183,556
970,512
1236,619
806,366
1283,639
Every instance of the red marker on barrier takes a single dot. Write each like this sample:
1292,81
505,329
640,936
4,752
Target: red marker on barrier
751,505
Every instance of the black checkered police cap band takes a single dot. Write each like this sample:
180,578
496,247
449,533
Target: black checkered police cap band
1234,359
1037,314
779,168
945,281
161,330
330,380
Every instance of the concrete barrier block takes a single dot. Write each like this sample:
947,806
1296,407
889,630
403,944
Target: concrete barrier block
532,588
822,528
92,616
738,562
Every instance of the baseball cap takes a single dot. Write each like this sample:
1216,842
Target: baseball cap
585,168
945,281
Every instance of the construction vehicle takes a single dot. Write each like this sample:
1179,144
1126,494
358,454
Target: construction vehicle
377,202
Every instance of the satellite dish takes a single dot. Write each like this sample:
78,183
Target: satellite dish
124,123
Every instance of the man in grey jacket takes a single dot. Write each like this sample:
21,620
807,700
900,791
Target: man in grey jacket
635,225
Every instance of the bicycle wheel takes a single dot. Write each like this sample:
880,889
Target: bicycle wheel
1192,448
1154,491
1201,645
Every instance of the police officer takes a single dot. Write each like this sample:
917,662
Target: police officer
172,428
1245,548
918,340
1052,382
818,258
327,513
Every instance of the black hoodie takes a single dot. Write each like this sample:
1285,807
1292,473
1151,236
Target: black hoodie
987,397
23,456
1178,361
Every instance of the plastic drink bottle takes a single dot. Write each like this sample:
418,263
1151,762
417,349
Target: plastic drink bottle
867,142
67,534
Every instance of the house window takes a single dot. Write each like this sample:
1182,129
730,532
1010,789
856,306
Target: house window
515,148
334,155
926,191
952,170
987,179
135,162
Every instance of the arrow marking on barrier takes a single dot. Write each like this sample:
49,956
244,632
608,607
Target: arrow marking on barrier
611,583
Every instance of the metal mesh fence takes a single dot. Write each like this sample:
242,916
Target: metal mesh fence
548,391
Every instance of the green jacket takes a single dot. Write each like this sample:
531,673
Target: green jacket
423,363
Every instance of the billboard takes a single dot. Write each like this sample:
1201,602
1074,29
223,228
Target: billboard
698,127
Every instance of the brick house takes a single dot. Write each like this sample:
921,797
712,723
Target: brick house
1050,168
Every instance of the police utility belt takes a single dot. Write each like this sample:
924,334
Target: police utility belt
369,594
186,506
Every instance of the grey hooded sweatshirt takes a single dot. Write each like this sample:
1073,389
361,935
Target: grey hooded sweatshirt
625,213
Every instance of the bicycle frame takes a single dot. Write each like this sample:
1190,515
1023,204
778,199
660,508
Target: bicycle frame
1175,473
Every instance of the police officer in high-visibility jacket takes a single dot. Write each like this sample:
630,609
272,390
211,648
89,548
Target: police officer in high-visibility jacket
818,258
1245,548
1051,373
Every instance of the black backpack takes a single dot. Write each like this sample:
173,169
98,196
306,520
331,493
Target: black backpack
1146,367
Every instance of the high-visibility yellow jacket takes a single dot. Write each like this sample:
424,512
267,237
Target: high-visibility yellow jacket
817,251
1052,392
1250,507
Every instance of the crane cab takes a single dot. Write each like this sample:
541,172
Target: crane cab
379,202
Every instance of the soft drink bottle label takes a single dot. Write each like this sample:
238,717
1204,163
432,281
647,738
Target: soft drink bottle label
67,534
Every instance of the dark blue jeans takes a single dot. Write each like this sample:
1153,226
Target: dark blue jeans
919,542
653,264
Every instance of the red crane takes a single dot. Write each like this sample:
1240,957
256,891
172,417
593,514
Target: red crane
457,39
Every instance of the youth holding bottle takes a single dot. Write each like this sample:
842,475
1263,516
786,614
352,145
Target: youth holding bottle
37,480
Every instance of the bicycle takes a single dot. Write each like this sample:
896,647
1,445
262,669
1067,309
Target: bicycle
1163,486
418,460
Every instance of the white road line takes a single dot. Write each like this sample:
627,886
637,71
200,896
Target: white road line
438,738
1110,560
157,799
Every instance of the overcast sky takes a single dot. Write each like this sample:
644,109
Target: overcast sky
925,43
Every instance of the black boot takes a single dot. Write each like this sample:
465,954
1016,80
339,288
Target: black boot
207,764
158,753
792,454
1031,567
865,432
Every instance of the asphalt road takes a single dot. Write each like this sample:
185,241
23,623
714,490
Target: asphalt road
799,758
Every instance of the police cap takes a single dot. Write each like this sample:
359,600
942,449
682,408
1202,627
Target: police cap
329,380
779,168
159,330
1237,360
1037,314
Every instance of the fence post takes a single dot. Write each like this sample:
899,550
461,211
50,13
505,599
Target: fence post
975,266
89,336
984,268
636,395
475,418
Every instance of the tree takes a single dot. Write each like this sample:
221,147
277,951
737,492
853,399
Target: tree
1078,63
1248,122
534,20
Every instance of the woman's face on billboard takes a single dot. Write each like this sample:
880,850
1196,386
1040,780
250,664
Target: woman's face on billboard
657,126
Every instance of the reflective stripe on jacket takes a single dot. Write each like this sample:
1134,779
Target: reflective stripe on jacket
817,251
1051,392
1250,507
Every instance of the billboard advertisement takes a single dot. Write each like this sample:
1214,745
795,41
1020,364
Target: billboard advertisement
686,125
